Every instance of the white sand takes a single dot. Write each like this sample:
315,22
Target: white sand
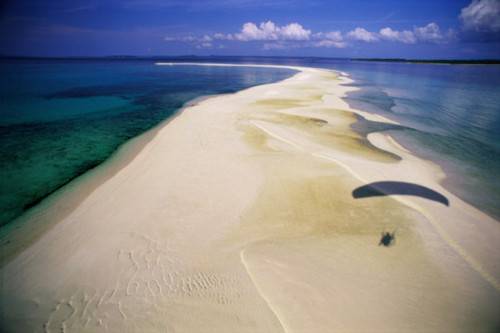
238,216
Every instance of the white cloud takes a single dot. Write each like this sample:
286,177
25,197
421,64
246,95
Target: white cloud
270,31
405,36
330,43
294,35
252,32
220,36
332,35
429,33
362,35
329,39
295,31
481,15
206,38
203,42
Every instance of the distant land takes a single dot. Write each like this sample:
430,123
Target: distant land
255,58
434,61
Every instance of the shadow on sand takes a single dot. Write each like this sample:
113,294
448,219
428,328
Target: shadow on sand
387,239
399,188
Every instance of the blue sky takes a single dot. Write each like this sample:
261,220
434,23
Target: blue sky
348,28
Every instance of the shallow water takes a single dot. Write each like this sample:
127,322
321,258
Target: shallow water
450,115
59,119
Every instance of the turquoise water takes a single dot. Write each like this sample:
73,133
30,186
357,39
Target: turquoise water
59,119
449,114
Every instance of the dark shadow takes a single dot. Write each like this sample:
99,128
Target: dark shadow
387,239
401,188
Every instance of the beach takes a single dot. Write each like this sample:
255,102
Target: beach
241,215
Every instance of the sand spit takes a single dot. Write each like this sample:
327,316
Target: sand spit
239,216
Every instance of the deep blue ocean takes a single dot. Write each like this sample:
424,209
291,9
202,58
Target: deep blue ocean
60,118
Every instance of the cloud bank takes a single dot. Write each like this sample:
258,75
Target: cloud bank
269,31
362,35
481,16
294,35
405,36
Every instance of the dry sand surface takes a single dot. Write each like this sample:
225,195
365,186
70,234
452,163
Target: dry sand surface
239,216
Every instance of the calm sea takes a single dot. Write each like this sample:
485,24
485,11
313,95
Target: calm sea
450,114
59,119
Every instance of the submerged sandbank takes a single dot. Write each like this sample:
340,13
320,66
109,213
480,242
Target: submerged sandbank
239,215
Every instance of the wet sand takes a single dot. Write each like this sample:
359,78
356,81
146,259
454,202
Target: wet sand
238,216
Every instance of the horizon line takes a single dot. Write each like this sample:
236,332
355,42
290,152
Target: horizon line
371,59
